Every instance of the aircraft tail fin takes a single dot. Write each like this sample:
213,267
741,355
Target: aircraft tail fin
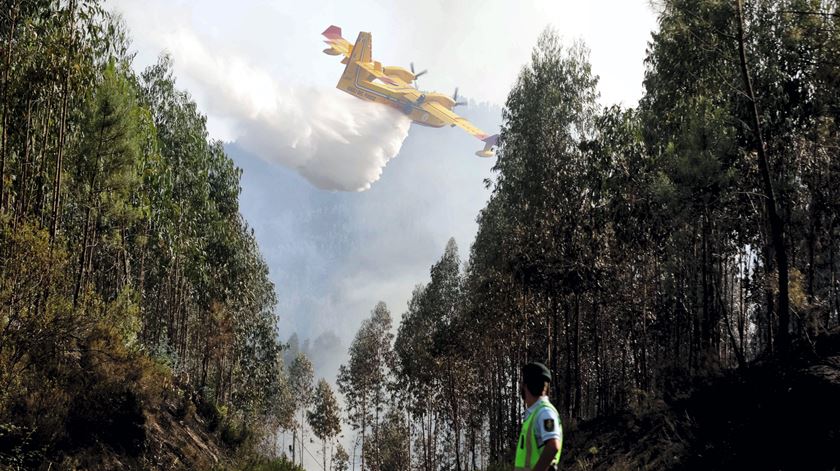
362,49
359,52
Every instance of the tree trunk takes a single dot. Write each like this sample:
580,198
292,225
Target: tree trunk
41,178
173,304
62,128
58,162
834,290
5,119
777,226
302,418
82,258
578,410
364,427
555,339
568,373
26,165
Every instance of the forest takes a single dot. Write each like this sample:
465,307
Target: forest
128,279
652,256
638,252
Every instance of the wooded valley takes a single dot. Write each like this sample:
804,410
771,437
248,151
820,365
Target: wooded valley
641,252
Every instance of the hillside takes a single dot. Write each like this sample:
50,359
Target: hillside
769,416
122,260
170,436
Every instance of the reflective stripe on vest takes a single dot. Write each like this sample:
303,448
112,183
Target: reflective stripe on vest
527,449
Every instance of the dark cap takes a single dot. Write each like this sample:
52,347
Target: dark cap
535,370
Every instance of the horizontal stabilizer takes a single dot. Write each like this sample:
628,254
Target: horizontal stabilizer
338,45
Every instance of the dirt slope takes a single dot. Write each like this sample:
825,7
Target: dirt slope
173,437
771,415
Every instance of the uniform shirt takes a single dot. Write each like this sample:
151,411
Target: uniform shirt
547,425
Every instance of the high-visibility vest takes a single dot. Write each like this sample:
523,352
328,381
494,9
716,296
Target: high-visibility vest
527,450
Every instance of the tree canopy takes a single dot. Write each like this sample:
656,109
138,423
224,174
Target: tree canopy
635,250
125,265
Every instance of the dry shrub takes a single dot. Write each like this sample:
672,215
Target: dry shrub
70,376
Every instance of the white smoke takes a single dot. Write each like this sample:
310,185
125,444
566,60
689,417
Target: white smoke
334,140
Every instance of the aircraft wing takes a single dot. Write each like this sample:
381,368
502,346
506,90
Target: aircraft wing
446,115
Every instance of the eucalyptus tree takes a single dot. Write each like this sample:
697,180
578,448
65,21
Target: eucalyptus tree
301,375
442,304
324,417
340,459
364,379
390,452
417,381
632,248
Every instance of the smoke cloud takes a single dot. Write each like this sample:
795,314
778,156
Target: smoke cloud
334,140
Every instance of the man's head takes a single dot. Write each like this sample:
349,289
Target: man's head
535,381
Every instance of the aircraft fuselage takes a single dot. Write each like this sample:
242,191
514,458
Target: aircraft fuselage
405,99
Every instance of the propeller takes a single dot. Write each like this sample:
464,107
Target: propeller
417,74
455,99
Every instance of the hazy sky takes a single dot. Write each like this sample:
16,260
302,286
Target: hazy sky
333,255
478,45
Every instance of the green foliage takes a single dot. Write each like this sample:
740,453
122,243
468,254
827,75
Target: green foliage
301,376
432,372
213,415
127,274
629,248
391,451
234,433
340,459
364,379
324,416
626,248
278,464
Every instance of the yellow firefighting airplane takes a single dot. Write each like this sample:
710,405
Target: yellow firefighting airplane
367,79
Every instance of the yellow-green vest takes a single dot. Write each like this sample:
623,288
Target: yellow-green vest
527,450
